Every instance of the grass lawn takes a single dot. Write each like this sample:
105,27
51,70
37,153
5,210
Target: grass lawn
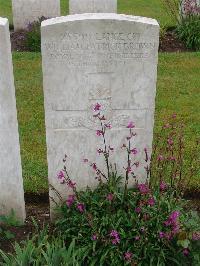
148,8
178,91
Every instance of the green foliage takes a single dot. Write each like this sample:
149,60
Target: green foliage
5,223
33,36
188,30
137,223
145,225
43,249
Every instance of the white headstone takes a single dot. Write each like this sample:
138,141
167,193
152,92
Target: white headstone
26,11
92,6
106,58
11,183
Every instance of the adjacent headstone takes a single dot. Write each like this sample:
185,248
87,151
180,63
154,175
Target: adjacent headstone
92,6
26,11
189,7
106,58
11,183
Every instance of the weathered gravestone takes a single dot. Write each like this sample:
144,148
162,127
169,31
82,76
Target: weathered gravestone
92,6
11,184
26,11
106,58
189,7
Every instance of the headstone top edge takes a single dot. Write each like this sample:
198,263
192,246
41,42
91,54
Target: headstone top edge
96,16
3,21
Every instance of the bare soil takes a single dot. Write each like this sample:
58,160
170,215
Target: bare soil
37,208
170,43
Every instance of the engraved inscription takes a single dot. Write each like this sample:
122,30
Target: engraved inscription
100,48
85,120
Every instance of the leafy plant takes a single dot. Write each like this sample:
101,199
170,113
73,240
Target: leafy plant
43,249
186,14
145,225
188,30
5,223
33,36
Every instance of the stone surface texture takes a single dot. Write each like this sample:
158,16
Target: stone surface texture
11,183
92,6
106,58
25,11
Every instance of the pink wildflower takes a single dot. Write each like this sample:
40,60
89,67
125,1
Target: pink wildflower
129,169
99,151
128,256
173,222
70,200
175,228
138,210
110,197
94,237
174,216
143,188
169,235
161,158
186,251
170,141
81,207
163,186
99,133
162,235
196,236
94,166
61,177
71,184
134,151
116,238
97,107
166,126
137,238
172,158
108,125
130,125
151,201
